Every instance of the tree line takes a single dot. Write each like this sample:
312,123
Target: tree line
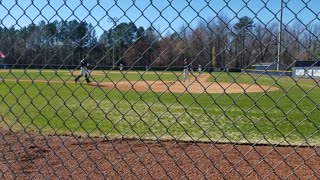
213,43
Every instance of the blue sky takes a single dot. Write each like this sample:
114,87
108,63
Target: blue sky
164,15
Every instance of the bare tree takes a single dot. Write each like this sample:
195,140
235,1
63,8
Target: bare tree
264,44
311,41
218,37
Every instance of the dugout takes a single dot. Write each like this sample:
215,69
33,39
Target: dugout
306,69
269,68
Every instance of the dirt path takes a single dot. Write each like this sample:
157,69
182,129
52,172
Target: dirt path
25,156
198,84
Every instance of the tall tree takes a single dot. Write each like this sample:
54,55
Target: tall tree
8,38
198,48
218,37
117,40
150,40
166,53
243,28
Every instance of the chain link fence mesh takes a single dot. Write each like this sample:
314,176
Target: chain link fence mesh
165,89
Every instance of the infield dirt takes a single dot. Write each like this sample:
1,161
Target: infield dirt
197,84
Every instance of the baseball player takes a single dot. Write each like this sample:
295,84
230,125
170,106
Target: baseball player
83,70
186,70
199,68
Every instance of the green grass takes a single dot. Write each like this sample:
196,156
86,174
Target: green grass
99,76
287,116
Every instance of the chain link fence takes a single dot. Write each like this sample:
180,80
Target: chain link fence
164,89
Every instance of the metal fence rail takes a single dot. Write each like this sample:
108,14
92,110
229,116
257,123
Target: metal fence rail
159,89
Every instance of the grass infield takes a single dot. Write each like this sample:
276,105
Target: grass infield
49,102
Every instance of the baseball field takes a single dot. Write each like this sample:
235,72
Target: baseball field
217,107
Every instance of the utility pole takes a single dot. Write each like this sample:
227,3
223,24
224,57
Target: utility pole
114,20
280,35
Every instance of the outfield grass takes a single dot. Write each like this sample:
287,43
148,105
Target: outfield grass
287,116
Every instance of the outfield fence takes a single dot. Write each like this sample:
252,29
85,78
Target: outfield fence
171,90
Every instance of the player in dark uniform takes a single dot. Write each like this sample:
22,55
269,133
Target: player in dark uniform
83,70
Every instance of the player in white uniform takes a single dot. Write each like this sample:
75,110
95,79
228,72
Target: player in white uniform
186,70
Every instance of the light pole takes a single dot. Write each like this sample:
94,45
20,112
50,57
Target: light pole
280,36
114,20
